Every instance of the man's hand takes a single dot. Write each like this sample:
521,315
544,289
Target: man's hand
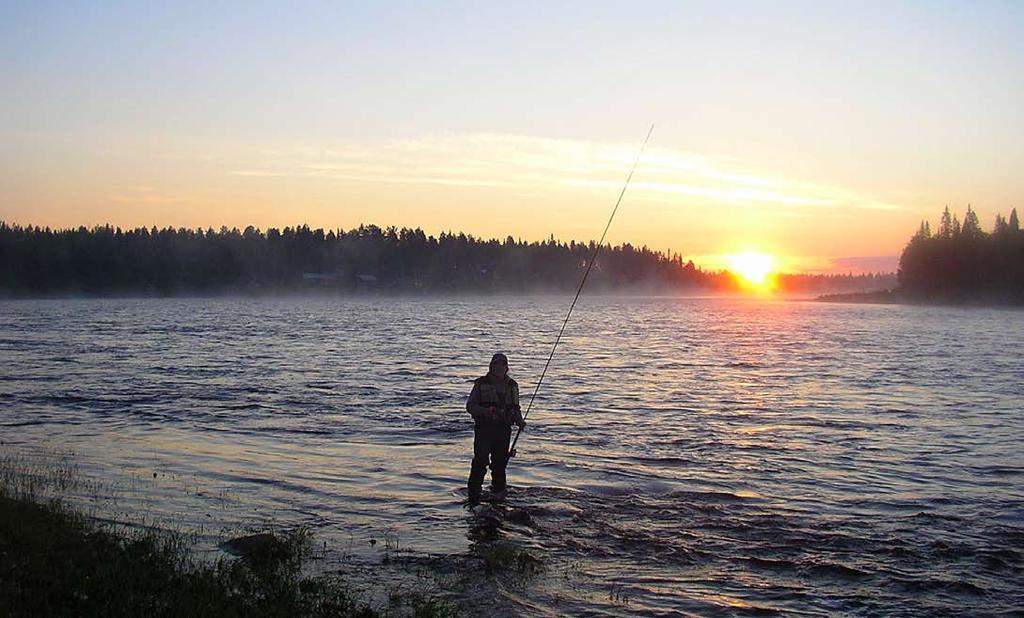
521,424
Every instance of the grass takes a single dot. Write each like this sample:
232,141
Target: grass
55,561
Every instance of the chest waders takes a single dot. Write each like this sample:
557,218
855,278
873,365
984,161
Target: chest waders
491,437
586,273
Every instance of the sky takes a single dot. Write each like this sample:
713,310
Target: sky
821,132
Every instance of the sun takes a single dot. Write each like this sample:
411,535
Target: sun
753,269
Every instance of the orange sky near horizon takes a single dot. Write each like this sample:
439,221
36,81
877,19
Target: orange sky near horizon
486,185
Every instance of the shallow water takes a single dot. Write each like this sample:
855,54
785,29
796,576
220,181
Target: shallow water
702,456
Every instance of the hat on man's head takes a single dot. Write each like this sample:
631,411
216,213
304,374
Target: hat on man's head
499,359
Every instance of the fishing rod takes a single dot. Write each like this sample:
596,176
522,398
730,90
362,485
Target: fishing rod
586,273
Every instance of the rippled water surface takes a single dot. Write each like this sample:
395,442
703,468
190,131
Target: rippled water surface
700,456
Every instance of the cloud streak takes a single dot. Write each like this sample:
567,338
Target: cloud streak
516,162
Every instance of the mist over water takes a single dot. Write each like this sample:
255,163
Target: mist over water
703,456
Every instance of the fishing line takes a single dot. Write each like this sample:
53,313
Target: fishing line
586,273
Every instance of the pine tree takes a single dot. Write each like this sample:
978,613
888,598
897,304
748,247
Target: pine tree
971,227
1014,223
1001,227
924,232
946,224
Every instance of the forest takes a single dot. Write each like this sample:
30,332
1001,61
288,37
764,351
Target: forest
960,262
106,260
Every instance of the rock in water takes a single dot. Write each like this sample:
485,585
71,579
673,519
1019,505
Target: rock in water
256,546
485,522
519,516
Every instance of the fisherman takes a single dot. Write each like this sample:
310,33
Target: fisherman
494,406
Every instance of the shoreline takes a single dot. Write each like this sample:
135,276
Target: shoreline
897,297
61,556
58,561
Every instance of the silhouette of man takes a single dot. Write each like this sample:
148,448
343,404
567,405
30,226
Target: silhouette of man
494,406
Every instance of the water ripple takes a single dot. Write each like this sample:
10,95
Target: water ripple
696,456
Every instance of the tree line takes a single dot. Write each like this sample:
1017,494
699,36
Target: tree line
959,261
109,260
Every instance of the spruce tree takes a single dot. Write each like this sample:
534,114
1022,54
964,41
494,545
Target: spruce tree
971,227
924,232
1000,226
946,224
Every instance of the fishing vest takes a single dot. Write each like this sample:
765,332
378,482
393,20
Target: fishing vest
489,395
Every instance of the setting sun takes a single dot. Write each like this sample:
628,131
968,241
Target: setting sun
752,268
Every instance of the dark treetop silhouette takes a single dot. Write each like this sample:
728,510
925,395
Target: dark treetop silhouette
962,263
106,260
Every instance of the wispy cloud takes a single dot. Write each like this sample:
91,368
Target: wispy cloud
516,162
145,195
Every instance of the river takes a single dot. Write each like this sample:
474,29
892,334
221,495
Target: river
697,456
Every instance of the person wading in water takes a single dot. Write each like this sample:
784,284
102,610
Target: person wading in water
494,406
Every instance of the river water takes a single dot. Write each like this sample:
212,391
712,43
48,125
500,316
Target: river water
691,456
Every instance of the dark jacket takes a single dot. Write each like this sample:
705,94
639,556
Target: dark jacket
486,394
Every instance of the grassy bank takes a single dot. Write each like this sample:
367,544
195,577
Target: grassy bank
54,561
